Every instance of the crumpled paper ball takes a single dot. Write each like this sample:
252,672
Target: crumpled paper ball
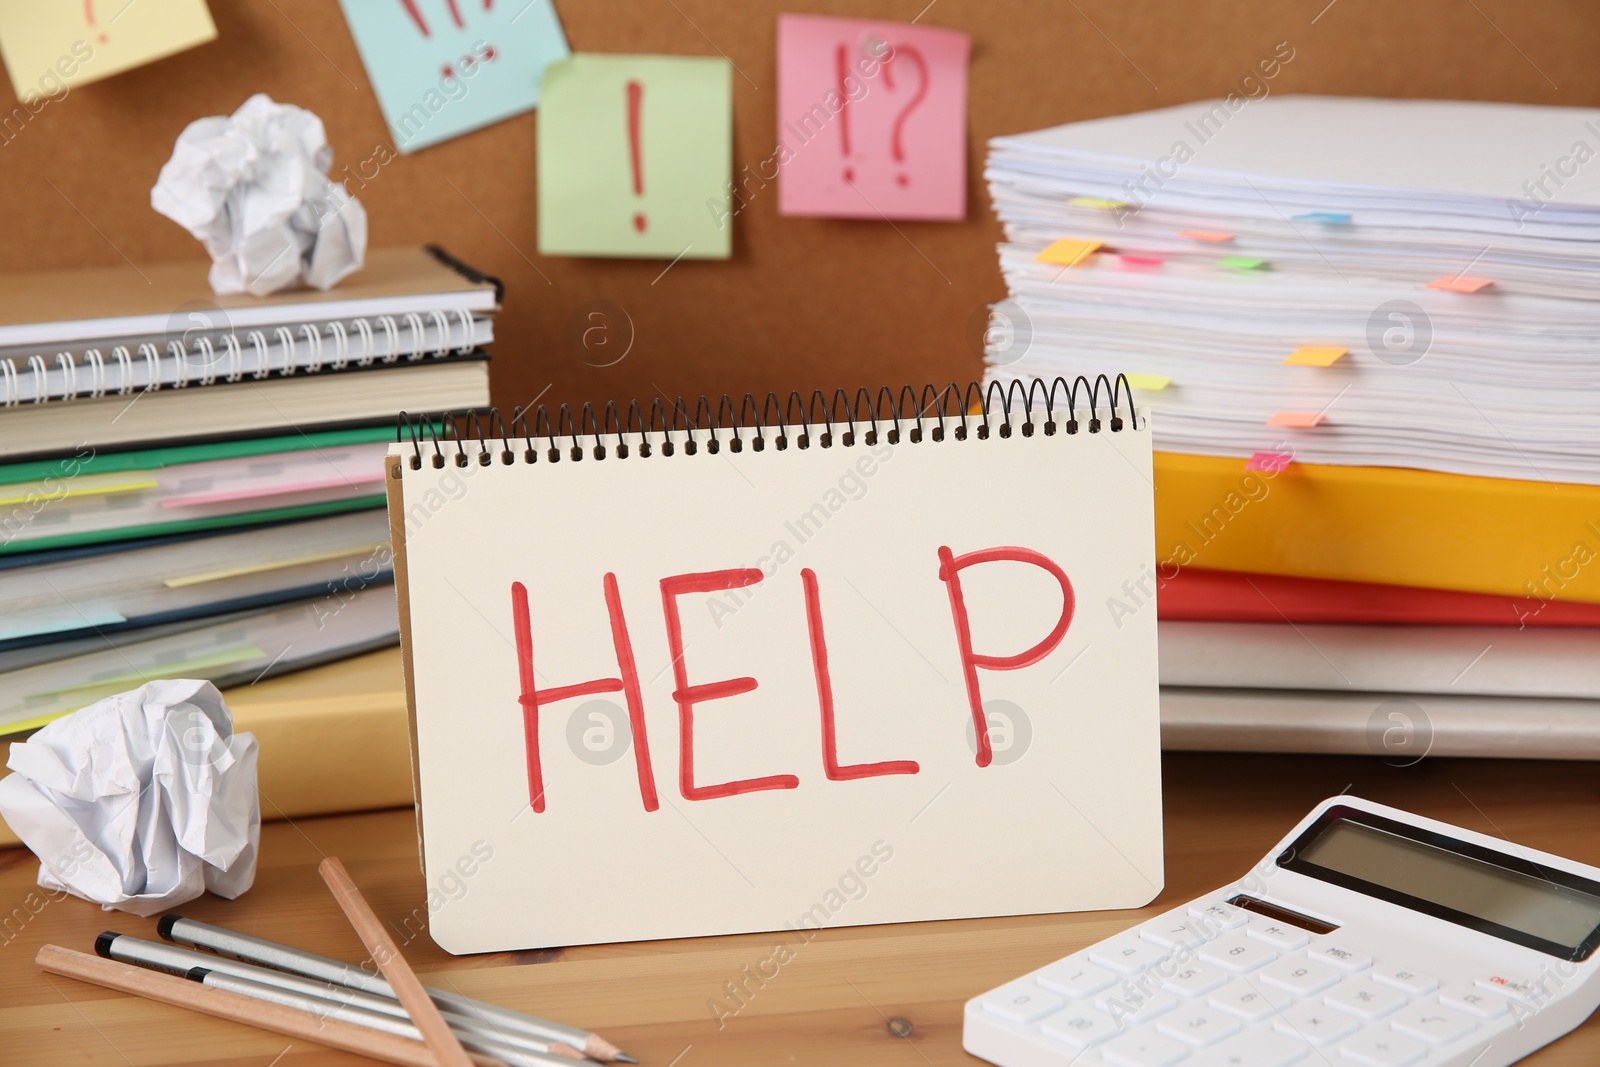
254,188
140,802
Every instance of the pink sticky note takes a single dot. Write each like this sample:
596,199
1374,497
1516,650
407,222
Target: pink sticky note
1460,285
1299,420
872,119
1269,461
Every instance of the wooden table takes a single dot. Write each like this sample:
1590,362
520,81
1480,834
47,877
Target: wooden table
831,1004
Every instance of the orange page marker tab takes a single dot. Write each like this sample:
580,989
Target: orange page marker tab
1068,252
1269,461
1300,420
1315,356
1460,285
1213,236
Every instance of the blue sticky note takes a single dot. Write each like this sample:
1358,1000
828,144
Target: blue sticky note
1332,218
443,67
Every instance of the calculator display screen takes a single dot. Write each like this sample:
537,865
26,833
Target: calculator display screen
1554,911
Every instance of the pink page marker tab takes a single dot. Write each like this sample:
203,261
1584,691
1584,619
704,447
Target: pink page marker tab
359,483
872,119
1269,461
1216,237
1139,262
1460,285
1299,420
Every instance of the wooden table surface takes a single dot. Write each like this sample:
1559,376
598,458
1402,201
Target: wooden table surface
829,1005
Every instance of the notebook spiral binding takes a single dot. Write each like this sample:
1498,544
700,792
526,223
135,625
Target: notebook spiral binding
224,357
669,426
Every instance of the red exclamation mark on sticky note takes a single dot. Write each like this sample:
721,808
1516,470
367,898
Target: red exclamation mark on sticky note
635,149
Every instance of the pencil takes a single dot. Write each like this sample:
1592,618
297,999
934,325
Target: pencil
220,1004
423,1011
155,955
399,1027
225,942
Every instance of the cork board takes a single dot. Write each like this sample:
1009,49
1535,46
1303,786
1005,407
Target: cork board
803,303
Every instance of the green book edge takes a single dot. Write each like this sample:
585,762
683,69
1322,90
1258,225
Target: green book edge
217,522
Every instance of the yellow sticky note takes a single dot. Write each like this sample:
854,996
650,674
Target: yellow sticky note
1149,382
1299,420
1068,252
1315,356
51,47
1095,201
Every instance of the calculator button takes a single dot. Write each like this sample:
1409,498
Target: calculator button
1277,935
1197,1026
1221,916
1299,976
1022,1002
1128,954
1365,999
1433,1024
1315,1024
1248,1002
1525,989
1382,1048
1237,954
1405,979
1080,1027
1173,931
1075,978
1133,1003
1143,1049
1337,955
1475,1002
1253,1048
1194,980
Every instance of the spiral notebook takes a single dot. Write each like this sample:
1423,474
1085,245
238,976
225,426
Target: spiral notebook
781,664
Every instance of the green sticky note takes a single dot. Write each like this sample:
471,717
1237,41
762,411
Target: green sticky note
636,157
1242,262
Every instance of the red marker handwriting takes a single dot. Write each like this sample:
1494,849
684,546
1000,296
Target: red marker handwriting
841,66
635,149
897,148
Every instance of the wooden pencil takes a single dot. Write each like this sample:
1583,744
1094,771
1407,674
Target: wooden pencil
386,954
221,1004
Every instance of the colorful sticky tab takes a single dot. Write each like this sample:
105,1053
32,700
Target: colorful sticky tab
1152,383
440,70
1213,236
1067,252
1299,420
1460,285
1139,262
872,119
1331,218
1269,461
51,47
1316,356
1241,263
1095,201
634,157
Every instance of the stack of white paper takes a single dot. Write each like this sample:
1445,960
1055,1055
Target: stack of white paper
1232,235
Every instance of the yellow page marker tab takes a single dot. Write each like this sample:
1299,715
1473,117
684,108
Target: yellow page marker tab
1152,383
30,492
271,565
1095,201
1316,356
1215,237
1460,285
1299,420
1068,252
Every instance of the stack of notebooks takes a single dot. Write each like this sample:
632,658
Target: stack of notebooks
1366,331
192,485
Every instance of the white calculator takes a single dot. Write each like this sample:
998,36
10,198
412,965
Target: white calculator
1369,936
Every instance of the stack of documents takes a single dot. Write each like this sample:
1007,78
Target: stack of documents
1366,331
198,492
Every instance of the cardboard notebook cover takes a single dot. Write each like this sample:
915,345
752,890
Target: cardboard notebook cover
734,686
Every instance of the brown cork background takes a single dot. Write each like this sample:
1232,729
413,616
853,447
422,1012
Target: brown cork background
803,303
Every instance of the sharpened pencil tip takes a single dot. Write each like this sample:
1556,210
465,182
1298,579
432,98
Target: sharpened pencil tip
623,1057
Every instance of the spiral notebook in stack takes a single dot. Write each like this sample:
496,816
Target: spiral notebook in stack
768,657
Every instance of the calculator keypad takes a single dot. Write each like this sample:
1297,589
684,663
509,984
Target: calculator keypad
1215,986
